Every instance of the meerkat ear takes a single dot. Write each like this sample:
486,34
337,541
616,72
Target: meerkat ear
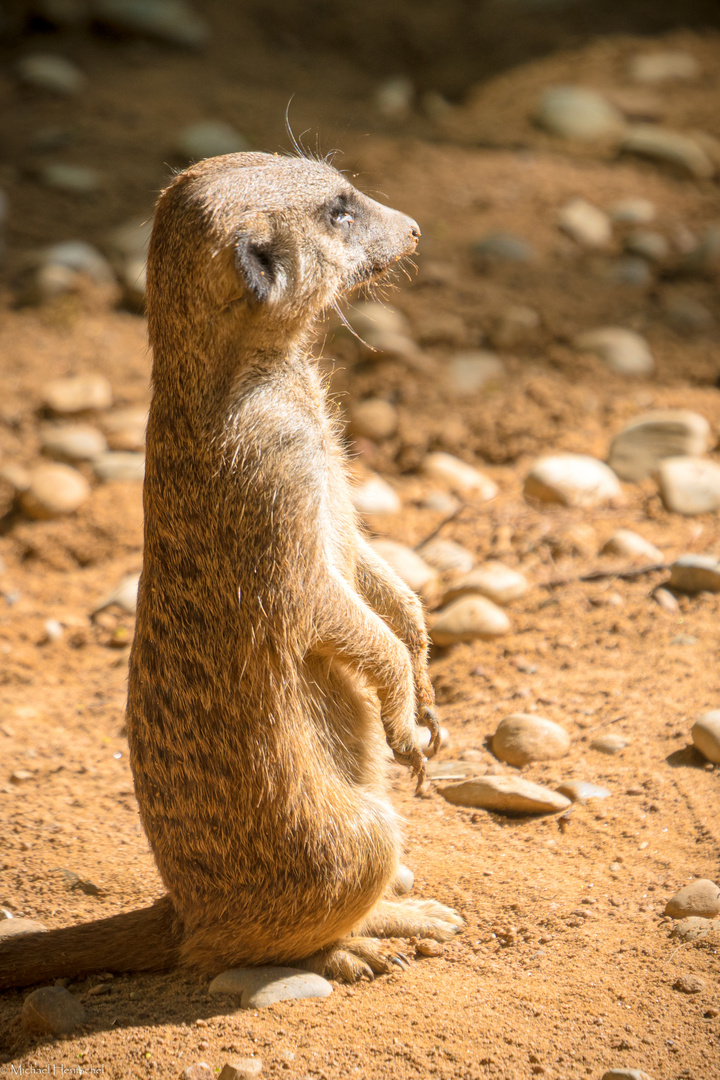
256,260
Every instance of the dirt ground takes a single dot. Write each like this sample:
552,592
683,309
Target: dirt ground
566,966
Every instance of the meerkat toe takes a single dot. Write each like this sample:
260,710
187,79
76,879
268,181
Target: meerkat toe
414,918
427,717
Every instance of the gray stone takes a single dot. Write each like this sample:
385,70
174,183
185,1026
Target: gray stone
633,211
660,66
629,271
172,21
622,350
582,790
503,247
447,556
404,880
685,314
637,450
77,393
471,618
241,1069
701,897
505,794
373,495
516,325
689,485
72,442
706,735
689,984
587,225
703,259
132,238
260,986
120,465
501,584
524,737
374,321
10,926
209,138
573,480
461,478
54,74
695,573
81,257
609,744
468,372
373,418
669,148
648,245
52,1010
55,490
74,179
409,566
625,1074
632,546
694,928
574,112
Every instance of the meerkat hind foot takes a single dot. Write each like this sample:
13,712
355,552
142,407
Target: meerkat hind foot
354,958
413,918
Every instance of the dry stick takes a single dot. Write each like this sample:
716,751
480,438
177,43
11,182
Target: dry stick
441,525
598,575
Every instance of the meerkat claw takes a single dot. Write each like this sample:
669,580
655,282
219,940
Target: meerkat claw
427,718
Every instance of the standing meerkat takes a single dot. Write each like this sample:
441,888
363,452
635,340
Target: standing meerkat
274,654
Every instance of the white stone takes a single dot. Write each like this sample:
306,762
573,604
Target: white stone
447,556
120,465
661,66
501,584
261,986
461,478
622,350
468,619
78,393
173,21
81,257
582,790
700,898
10,926
573,480
574,112
468,372
706,735
404,880
373,418
689,485
409,566
524,737
125,428
375,496
637,450
75,179
695,573
609,744
505,794
73,442
124,595
372,320
670,148
587,225
632,546
625,1074
209,138
394,98
55,490
633,211
423,737
52,73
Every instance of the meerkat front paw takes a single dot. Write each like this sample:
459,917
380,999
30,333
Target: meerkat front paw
355,958
427,717
412,758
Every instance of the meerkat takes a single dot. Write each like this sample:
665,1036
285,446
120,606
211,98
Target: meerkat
275,654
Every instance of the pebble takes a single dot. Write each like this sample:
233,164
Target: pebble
573,480
394,98
375,496
428,947
506,794
689,984
52,1010
685,314
633,546
625,1074
703,259
81,257
200,1070
373,418
52,73
637,450
694,928
629,271
404,880
588,226
515,325
609,744
409,566
468,619
55,490
574,112
120,465
209,138
498,582
74,179
124,595
524,737
77,393
695,573
72,442
666,600
706,735
468,372
582,790
132,238
689,485
633,211
661,66
461,478
670,148
125,428
260,986
701,897
503,247
372,321
172,21
453,770
648,245
11,926
241,1069
622,350
447,556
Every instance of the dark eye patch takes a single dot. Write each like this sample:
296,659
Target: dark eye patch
341,211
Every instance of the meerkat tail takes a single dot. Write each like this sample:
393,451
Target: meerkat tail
143,940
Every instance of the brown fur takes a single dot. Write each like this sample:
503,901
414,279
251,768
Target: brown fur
274,652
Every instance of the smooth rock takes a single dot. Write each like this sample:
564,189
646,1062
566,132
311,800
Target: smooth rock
52,73
447,556
503,247
587,225
669,148
666,600
373,321
461,478
132,238
120,465
404,880
498,582
72,442
209,138
375,496
468,619
52,1010
125,428
81,257
622,350
514,326
701,897
124,595
629,271
524,737
172,21
706,735
648,245
373,418
74,179
685,314
661,66
11,927
625,1074
574,112
637,450
689,485
453,770
409,566
133,276
241,1069
506,794
632,546
468,372
199,1070
394,98
582,790
55,490
689,984
694,928
609,744
573,480
633,211
703,258
77,393
260,986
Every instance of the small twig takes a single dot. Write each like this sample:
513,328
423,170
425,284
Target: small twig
445,521
598,575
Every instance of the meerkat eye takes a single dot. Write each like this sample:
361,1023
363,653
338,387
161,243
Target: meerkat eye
341,213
